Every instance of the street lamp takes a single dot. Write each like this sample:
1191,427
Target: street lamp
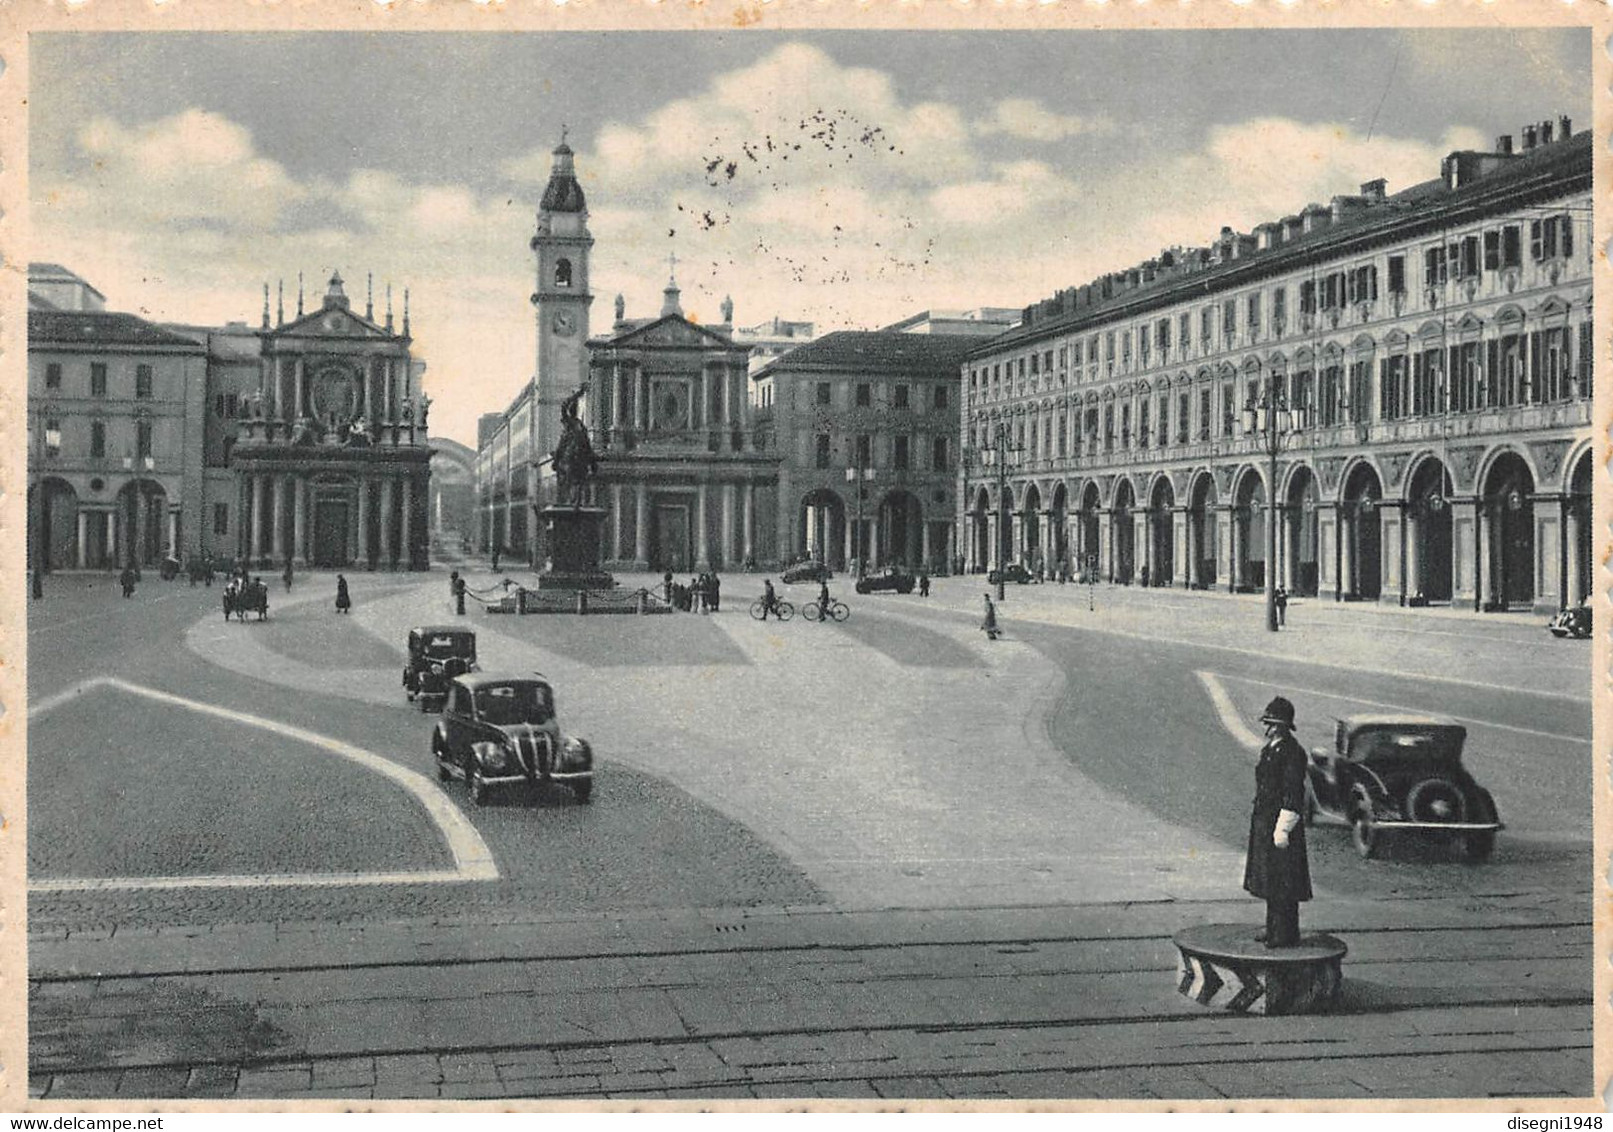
1268,416
856,477
998,454
46,440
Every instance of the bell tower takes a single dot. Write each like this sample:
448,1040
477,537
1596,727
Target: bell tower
562,298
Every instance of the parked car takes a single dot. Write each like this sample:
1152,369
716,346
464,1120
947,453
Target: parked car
1401,774
890,578
501,730
1575,621
1013,573
808,571
437,653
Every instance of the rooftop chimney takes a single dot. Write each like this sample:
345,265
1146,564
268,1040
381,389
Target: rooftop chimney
1545,132
1529,134
1565,127
1375,190
1503,144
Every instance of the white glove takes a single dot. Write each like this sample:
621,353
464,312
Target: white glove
1286,821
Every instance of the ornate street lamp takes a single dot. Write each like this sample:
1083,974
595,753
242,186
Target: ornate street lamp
46,439
999,454
856,476
1268,417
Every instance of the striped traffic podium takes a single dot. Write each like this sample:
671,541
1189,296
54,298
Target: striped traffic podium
1223,966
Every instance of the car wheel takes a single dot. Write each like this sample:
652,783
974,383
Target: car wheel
478,787
584,790
1478,846
1436,800
1364,835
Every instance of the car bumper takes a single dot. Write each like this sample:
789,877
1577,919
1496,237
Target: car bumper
563,777
1442,826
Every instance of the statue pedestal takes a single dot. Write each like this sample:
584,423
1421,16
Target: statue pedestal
571,539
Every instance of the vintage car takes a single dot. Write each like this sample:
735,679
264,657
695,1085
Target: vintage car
890,578
1574,621
500,730
1014,573
437,653
1401,774
807,571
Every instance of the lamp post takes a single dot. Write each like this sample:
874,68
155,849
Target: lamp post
45,439
998,453
1268,416
856,475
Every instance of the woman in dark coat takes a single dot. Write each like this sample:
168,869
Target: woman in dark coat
989,623
343,601
1277,869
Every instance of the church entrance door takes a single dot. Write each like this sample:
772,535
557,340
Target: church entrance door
330,532
671,549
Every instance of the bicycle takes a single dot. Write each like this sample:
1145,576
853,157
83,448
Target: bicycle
838,611
782,609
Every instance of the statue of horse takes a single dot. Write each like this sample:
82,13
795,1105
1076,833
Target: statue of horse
575,464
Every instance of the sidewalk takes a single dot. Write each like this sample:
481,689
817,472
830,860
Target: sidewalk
1476,997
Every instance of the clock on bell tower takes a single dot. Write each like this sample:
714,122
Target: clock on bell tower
562,298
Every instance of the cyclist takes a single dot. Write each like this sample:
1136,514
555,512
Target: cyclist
825,606
769,599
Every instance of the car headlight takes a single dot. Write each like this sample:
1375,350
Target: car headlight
436,670
576,754
493,756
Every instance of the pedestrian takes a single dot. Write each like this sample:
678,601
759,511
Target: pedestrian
286,577
990,623
496,551
127,579
666,582
824,604
697,596
769,598
1144,576
459,594
924,583
716,592
1280,598
1277,869
343,601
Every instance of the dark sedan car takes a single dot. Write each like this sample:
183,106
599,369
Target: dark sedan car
500,730
891,578
437,653
1401,774
1014,573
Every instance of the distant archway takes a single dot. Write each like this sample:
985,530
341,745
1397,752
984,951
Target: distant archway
820,528
1360,565
1508,535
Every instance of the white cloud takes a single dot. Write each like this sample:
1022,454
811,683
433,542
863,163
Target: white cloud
1029,120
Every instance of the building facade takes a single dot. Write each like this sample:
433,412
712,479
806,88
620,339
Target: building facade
864,425
1434,346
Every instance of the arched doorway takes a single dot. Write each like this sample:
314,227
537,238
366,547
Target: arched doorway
820,528
142,507
1578,533
1123,532
1030,529
1360,549
980,530
1162,533
1249,532
1300,533
1090,562
1201,533
1428,534
1059,552
1508,536
58,524
898,539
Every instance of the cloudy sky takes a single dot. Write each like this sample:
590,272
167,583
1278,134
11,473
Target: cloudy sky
849,178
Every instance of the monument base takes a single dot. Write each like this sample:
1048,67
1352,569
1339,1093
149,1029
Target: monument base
571,539
1225,967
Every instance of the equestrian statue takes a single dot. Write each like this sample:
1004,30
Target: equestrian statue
574,462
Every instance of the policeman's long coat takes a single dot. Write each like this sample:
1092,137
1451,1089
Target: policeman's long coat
1269,872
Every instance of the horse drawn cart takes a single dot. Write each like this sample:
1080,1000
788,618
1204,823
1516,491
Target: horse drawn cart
241,598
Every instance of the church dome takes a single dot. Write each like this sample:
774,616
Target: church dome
563,193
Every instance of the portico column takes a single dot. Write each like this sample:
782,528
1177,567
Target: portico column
702,546
277,533
173,532
385,524
1105,546
1573,582
616,518
729,491
112,536
848,531
1414,537
1181,567
83,533
749,524
299,409
364,522
299,521
1347,529
641,394
406,525
260,504
641,527
924,543
703,417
